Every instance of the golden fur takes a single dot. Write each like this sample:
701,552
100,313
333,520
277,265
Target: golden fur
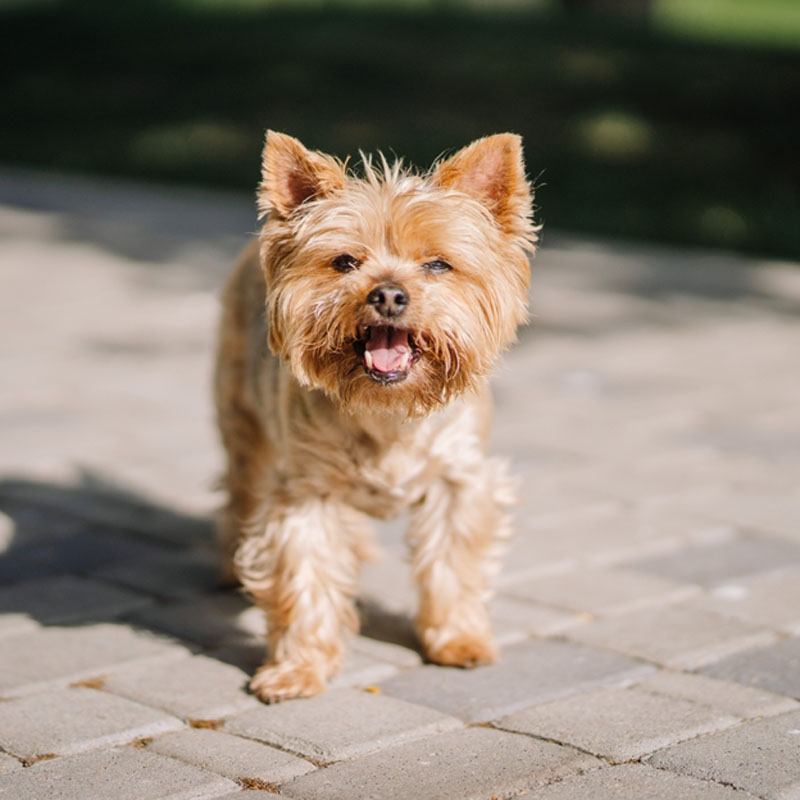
357,336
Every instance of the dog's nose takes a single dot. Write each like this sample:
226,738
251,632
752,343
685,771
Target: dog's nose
388,299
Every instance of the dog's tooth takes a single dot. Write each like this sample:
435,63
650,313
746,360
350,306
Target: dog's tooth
368,359
404,360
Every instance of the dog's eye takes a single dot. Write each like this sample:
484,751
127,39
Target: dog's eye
437,266
346,262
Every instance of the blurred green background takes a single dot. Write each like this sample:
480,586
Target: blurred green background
670,120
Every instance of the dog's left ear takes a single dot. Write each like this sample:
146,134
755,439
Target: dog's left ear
492,171
291,174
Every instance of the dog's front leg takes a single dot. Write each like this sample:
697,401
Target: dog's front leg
457,534
303,570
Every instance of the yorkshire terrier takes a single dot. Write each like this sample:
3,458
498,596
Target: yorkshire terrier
357,336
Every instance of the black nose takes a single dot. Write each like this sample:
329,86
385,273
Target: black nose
388,299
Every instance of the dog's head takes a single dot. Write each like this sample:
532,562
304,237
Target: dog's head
395,291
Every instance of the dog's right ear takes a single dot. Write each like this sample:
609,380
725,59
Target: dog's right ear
291,174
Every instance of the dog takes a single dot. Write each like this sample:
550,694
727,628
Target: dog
358,333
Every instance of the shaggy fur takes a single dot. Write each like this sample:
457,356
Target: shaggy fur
357,337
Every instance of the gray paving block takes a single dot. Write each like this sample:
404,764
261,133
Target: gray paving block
170,574
682,636
69,721
529,673
342,723
7,763
514,620
67,598
601,590
125,773
370,661
712,564
618,724
599,536
209,620
637,782
775,668
59,656
741,701
196,687
385,651
471,764
82,552
762,757
231,756
360,670
772,600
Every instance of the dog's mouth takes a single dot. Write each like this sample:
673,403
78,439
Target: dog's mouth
386,352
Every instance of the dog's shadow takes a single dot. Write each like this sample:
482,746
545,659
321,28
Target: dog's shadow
93,551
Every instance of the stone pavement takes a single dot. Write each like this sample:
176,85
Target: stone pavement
649,609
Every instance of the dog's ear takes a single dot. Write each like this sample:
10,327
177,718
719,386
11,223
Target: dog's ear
291,174
492,171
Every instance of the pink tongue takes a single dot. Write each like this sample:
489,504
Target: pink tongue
387,346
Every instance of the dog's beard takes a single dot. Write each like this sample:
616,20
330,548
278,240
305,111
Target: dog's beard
387,369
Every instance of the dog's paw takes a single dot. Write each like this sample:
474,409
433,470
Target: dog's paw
275,682
463,650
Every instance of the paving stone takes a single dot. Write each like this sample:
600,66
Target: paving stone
209,620
360,670
7,763
681,636
52,657
732,698
618,724
231,756
637,782
529,673
601,591
170,574
342,723
769,510
772,600
387,581
196,687
66,598
471,764
69,721
125,773
514,620
762,757
385,651
775,668
82,552
712,564
600,537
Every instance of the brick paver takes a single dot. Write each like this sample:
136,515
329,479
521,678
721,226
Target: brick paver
618,724
648,604
40,660
71,721
236,758
192,688
776,668
340,724
124,774
743,701
634,782
682,636
762,757
529,673
464,765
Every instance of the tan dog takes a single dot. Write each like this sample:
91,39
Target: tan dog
357,337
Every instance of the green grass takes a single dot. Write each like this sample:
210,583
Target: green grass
769,23
628,132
